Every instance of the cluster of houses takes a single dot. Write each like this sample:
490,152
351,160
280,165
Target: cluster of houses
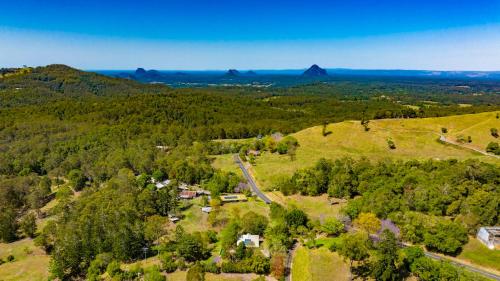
187,194
249,240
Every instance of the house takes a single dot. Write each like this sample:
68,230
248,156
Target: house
187,194
251,241
183,186
233,198
489,236
162,184
206,209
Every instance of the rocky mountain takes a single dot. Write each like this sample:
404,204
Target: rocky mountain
233,73
315,71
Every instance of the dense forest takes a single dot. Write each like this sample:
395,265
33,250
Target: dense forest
434,202
99,140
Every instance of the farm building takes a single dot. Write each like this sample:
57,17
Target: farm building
187,194
233,198
489,236
251,241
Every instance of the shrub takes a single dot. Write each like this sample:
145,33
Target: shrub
391,144
77,179
494,132
253,223
332,226
494,148
27,225
447,237
191,248
210,266
256,264
10,258
153,274
295,218
444,130
282,148
167,262
98,265
113,268
195,273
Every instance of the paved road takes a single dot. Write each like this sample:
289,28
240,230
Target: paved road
250,180
466,266
289,262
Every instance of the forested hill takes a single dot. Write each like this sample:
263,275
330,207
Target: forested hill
66,130
42,84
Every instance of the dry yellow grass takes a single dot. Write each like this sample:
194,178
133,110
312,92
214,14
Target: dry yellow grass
414,139
31,263
478,254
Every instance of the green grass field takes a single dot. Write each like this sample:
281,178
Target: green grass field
226,163
476,253
316,207
414,139
31,263
195,220
318,265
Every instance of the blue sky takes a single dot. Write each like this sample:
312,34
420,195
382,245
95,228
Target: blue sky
221,34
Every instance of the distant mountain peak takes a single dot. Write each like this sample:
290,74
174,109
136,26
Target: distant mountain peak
315,71
232,72
251,73
140,71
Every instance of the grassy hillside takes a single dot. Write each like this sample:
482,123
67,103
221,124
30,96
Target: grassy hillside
30,262
414,139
